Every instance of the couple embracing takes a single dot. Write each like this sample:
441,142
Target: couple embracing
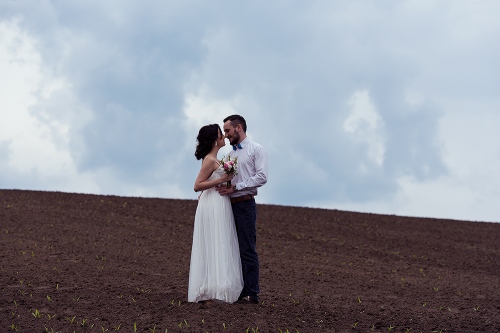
224,262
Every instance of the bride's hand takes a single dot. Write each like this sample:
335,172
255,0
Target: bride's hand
227,178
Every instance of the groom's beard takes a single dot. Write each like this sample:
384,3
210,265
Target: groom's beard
235,138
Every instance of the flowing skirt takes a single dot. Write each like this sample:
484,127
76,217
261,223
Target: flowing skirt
215,269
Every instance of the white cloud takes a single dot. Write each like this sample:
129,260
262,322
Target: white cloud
37,144
202,109
366,126
471,152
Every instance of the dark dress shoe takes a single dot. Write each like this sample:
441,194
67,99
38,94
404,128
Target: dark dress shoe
248,300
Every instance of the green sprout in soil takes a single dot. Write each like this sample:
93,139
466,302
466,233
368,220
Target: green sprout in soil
36,314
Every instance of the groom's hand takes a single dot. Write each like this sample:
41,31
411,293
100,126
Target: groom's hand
223,190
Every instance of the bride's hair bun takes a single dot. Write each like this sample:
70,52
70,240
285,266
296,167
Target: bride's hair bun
207,135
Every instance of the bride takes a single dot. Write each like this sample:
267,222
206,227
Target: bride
215,268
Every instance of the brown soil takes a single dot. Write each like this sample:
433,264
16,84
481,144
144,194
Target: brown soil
89,263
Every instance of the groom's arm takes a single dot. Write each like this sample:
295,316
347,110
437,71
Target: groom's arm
261,167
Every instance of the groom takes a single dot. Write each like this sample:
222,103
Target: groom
252,173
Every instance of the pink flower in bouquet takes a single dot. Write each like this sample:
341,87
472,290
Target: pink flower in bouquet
229,166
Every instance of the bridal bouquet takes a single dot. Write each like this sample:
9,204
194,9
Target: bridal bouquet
229,166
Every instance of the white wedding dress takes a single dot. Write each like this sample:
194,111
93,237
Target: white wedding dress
215,269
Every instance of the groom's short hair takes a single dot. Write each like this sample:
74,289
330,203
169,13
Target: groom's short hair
236,119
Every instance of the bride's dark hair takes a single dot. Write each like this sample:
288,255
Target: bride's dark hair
207,135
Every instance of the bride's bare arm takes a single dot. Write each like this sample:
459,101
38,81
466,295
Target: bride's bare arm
207,167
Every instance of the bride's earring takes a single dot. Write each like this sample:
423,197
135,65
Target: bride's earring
216,143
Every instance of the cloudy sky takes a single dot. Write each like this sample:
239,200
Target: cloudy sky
388,107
